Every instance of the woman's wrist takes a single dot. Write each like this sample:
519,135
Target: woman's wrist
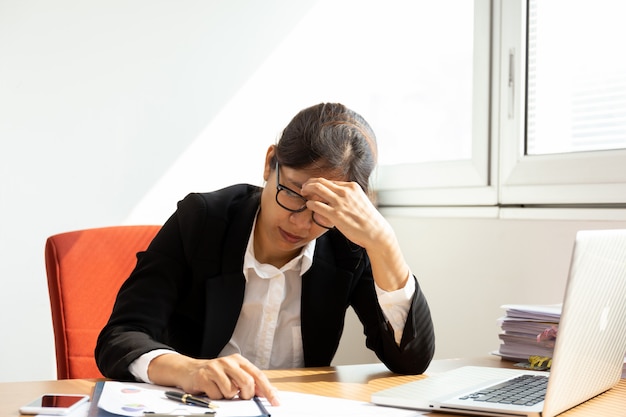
170,369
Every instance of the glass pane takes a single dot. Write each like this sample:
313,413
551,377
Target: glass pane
421,106
405,65
576,76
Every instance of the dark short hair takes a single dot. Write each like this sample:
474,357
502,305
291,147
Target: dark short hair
329,137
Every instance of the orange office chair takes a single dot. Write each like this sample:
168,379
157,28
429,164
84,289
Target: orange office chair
85,270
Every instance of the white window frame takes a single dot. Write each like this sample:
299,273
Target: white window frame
499,174
463,182
597,178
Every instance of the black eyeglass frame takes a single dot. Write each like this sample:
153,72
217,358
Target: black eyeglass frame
280,187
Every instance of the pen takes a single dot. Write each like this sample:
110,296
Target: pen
258,402
189,399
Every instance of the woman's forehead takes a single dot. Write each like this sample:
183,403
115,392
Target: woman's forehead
299,176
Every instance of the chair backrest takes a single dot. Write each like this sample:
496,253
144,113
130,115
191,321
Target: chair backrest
85,269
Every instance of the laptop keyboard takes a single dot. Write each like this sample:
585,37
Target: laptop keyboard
523,390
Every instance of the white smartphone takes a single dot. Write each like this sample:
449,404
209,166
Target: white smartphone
54,404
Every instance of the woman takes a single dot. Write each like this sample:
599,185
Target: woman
248,278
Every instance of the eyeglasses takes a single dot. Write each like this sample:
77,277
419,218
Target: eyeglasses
295,203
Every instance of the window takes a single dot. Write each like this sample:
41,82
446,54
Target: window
548,113
558,152
577,97
440,148
417,70
423,107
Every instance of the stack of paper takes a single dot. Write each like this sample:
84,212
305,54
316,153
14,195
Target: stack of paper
528,330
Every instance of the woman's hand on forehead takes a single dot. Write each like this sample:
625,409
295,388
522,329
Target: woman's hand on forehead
348,207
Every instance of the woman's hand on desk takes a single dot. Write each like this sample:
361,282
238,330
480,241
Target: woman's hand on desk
218,378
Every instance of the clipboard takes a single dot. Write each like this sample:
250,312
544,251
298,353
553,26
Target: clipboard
94,411
226,408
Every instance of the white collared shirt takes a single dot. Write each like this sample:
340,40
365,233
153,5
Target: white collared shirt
268,330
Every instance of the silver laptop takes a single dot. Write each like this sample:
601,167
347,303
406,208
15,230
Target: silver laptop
588,356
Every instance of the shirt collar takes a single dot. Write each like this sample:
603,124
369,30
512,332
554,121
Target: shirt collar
301,262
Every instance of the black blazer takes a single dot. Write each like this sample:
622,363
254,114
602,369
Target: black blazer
187,290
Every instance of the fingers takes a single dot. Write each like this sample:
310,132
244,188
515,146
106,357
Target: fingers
326,197
262,385
327,191
336,199
217,378
347,207
234,375
271,395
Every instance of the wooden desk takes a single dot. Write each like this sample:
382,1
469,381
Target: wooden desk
356,382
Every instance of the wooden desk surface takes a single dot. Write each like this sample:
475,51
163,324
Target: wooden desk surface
356,382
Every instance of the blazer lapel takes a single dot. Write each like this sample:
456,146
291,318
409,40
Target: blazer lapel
224,294
325,298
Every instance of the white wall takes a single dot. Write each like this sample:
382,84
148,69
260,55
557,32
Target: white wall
110,112
469,267
113,110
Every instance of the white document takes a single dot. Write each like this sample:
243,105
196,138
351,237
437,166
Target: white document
294,404
134,399
538,312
